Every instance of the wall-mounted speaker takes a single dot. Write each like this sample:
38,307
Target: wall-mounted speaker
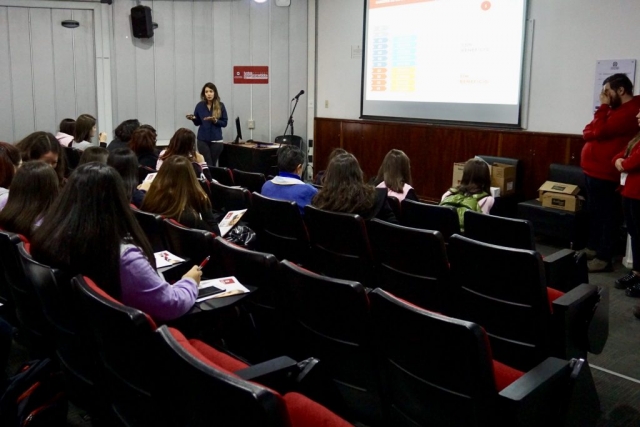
141,22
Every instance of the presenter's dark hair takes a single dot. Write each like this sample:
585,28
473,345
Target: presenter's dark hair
68,126
343,188
84,125
33,191
395,171
476,178
289,157
143,141
125,129
9,161
182,143
94,154
34,146
84,229
125,162
619,80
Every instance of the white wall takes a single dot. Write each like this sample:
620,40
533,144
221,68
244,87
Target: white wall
569,37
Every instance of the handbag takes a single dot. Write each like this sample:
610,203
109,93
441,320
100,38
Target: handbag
242,235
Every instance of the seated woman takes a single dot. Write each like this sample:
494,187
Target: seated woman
473,191
10,161
85,131
45,147
66,130
90,230
344,190
33,191
126,163
395,176
183,143
320,176
143,143
176,193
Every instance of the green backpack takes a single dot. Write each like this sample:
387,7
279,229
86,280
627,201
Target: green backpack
463,203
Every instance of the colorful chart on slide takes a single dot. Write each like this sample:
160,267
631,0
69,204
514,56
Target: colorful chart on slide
451,51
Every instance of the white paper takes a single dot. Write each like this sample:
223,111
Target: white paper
166,258
229,220
606,68
623,178
150,177
230,284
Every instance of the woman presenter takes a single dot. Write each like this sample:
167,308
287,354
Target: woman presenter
211,116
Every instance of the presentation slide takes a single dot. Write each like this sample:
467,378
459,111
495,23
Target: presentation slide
458,60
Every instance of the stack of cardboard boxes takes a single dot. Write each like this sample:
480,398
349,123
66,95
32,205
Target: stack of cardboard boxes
503,178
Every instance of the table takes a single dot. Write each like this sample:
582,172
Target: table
250,157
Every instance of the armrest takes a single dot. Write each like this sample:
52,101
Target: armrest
275,373
564,270
553,392
573,315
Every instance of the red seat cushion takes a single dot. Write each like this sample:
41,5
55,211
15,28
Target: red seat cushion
552,295
304,412
504,375
208,355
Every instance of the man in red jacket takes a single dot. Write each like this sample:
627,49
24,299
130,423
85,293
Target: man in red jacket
613,126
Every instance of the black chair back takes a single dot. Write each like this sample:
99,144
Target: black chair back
436,370
568,174
190,243
394,204
143,171
151,224
72,157
332,323
225,199
503,290
430,217
252,181
410,263
501,231
339,244
280,227
223,175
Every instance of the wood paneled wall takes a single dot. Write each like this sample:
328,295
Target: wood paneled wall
434,148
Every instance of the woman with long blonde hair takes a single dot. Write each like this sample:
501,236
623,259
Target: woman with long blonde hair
176,193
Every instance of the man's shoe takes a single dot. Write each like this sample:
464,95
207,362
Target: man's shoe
626,281
636,311
590,253
597,265
633,291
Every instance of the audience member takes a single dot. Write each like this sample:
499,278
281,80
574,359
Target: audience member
320,175
126,163
628,163
176,193
85,131
43,146
91,230
143,143
612,127
10,161
344,190
395,175
94,154
183,143
67,129
473,191
123,134
288,185
33,191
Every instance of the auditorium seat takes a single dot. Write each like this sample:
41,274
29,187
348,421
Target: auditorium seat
569,227
143,171
504,291
339,245
223,175
430,217
280,228
72,158
410,263
151,225
252,181
439,371
190,243
497,230
225,198
198,390
394,204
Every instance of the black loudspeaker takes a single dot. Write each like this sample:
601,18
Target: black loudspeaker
290,139
141,22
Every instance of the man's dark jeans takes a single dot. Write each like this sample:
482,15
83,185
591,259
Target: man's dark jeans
603,203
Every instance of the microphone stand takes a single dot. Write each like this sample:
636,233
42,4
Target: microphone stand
290,121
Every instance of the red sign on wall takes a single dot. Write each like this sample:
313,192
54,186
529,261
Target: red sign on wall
250,75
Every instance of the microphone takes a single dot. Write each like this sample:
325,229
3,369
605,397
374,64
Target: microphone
298,95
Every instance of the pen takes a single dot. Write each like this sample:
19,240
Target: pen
203,263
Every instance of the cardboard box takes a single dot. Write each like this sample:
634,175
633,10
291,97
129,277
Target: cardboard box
503,176
458,168
559,195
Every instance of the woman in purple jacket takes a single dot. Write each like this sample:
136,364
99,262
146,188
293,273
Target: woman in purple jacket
90,230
